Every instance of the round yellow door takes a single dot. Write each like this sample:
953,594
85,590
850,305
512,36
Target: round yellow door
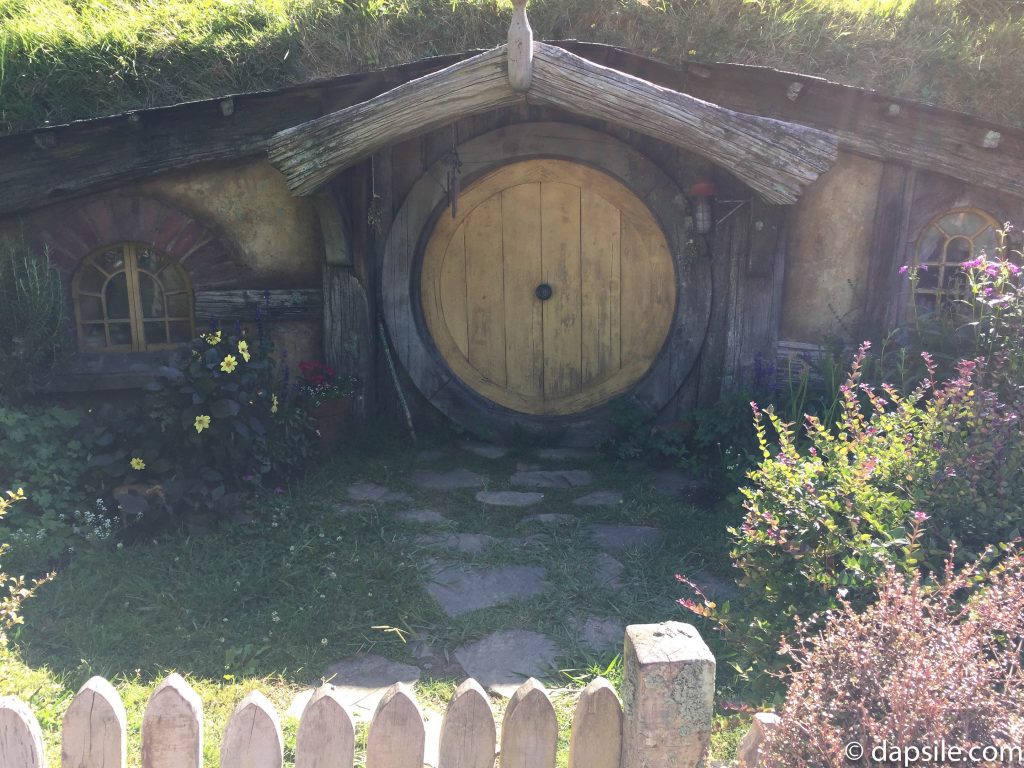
552,289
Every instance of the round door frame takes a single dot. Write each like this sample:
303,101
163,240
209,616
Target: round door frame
413,224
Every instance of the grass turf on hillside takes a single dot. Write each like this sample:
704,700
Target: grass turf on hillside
67,59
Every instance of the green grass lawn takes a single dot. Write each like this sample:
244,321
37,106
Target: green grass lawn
66,59
269,604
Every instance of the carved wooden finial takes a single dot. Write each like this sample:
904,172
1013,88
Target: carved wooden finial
520,48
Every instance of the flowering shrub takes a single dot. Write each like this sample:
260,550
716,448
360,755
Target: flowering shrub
212,429
897,479
319,383
13,590
916,669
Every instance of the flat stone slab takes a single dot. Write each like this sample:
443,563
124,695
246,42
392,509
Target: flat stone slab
463,589
376,493
608,571
428,455
552,478
565,454
510,498
361,681
620,537
602,634
470,543
715,587
421,517
599,499
486,450
551,518
450,480
671,482
504,660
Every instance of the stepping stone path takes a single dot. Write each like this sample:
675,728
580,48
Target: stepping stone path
564,454
608,571
552,478
509,498
450,480
463,589
504,660
620,537
715,587
602,634
422,517
551,518
599,499
376,493
361,681
470,543
486,450
429,455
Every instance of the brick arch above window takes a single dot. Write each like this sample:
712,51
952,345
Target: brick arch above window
209,260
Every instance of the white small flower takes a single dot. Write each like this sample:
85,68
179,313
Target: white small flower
323,641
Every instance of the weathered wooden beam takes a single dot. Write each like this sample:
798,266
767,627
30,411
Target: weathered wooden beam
520,48
310,154
777,159
228,306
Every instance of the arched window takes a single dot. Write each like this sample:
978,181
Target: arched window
131,297
947,242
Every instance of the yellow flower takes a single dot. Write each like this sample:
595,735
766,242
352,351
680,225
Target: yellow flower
243,350
202,422
137,463
273,404
228,364
212,338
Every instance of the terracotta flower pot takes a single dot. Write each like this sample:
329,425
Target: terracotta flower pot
331,418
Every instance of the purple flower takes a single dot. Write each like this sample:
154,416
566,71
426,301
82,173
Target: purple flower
904,269
1014,269
975,262
919,516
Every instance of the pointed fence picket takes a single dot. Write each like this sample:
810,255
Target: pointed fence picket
93,734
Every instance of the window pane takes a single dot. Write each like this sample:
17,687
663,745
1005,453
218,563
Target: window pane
94,337
120,335
172,279
177,305
111,260
930,249
958,251
92,280
90,308
962,223
117,296
156,333
988,242
928,278
151,261
181,332
151,296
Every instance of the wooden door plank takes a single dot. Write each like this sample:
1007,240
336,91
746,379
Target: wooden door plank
600,286
450,290
560,251
484,291
521,238
648,291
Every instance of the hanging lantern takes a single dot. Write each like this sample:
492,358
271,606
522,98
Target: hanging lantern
702,195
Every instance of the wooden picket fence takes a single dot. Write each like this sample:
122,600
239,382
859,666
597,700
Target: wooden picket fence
658,733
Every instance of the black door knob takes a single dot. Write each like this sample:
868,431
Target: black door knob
543,291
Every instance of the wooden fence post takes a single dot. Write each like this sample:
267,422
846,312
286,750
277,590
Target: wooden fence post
93,735
21,740
253,736
668,692
172,727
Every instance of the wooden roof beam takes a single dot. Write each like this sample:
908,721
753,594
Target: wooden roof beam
311,153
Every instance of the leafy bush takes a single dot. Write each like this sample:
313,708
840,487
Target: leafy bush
13,590
32,322
41,447
917,668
